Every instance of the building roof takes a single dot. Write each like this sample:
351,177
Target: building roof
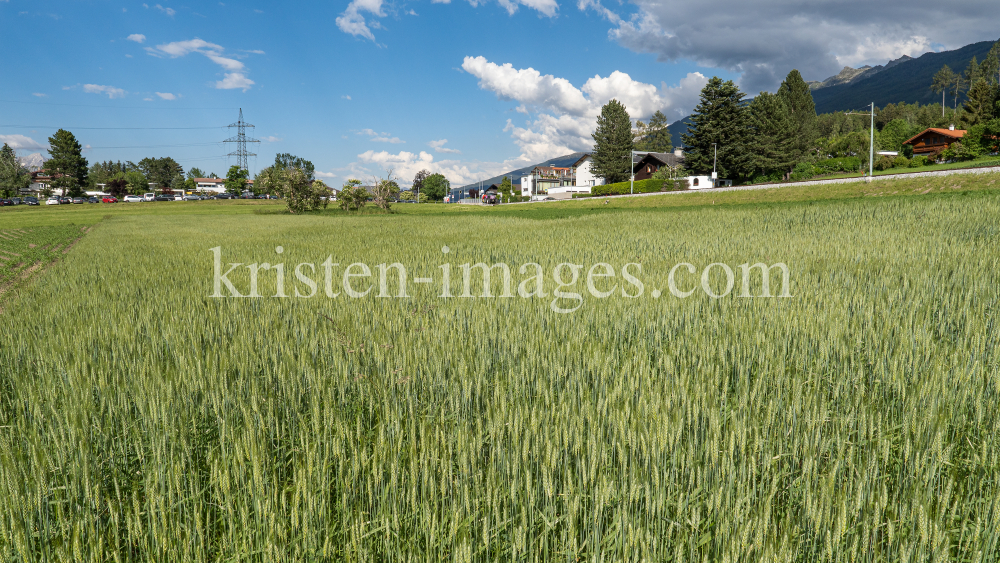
953,133
662,158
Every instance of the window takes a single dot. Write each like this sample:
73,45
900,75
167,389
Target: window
696,181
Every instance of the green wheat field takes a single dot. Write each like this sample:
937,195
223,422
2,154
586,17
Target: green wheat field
857,421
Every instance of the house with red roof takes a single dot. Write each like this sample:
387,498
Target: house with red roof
933,140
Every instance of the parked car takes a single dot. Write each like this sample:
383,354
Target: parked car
79,200
132,199
6,202
65,200
191,197
148,196
16,200
224,196
163,198
93,200
178,197
31,201
52,201
109,199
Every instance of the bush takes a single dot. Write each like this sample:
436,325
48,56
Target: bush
835,165
803,171
622,188
959,152
884,163
901,162
918,161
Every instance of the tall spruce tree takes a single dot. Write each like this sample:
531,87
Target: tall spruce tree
66,165
797,96
773,130
655,137
720,118
941,82
980,105
613,145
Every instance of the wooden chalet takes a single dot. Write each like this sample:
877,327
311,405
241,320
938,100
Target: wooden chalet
934,140
648,164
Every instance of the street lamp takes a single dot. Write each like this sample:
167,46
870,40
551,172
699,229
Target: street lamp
715,161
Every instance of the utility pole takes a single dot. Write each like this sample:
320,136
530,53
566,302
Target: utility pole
715,162
631,168
871,146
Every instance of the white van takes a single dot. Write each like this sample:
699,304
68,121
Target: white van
148,197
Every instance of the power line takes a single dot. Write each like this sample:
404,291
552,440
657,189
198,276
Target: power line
97,106
109,128
159,146
241,141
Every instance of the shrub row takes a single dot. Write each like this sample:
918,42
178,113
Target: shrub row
641,187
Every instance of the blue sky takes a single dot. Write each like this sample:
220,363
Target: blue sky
467,89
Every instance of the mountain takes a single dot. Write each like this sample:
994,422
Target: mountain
515,175
849,75
903,80
677,129
32,162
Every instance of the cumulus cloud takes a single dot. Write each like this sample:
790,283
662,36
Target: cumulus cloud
764,40
235,77
137,37
40,95
562,116
377,137
110,91
166,96
405,166
439,146
169,11
20,142
271,139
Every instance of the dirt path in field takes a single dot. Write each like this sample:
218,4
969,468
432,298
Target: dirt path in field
11,259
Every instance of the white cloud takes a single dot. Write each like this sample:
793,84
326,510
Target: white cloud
234,81
405,166
234,78
169,11
271,139
39,95
353,22
325,175
20,142
346,97
137,37
564,115
166,96
439,146
377,137
111,91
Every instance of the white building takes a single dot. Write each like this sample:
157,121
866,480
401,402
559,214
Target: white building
561,183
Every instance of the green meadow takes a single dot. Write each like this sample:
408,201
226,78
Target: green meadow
142,419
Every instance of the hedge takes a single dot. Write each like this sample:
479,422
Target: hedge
641,187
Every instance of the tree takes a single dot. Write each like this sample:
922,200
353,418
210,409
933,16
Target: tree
137,182
118,185
176,185
236,180
294,186
66,165
980,105
990,68
773,129
352,195
436,187
655,136
892,136
972,72
958,85
797,96
719,120
941,82
506,189
196,172
287,161
418,181
103,172
385,190
13,177
160,171
613,144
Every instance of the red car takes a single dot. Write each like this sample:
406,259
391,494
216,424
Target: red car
109,199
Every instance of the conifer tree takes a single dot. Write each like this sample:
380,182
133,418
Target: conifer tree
773,129
719,119
613,144
980,104
941,82
66,165
797,96
655,137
